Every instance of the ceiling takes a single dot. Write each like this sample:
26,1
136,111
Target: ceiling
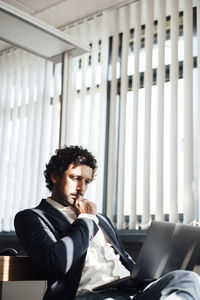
59,13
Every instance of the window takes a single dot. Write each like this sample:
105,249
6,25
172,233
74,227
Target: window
29,129
151,160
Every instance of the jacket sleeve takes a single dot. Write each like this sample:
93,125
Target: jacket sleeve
55,257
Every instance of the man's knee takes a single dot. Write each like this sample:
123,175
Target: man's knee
193,277
180,275
183,283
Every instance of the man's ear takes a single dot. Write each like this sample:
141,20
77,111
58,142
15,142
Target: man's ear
53,178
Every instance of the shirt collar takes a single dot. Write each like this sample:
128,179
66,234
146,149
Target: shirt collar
66,210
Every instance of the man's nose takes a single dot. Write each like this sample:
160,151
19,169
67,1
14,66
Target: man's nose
80,187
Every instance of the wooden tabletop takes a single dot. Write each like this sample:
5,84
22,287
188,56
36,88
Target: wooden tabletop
16,268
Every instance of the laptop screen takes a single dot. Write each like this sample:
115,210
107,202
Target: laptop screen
167,247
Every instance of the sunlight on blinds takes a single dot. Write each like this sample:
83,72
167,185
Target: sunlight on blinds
188,114
86,97
172,175
198,107
140,121
122,121
29,129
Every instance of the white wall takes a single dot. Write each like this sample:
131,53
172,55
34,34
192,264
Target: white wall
18,290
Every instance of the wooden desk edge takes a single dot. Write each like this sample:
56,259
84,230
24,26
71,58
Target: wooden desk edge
19,268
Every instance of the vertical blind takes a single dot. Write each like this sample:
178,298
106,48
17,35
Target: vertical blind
197,120
87,99
188,204
29,129
147,106
173,131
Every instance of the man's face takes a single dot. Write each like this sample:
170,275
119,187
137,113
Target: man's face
74,183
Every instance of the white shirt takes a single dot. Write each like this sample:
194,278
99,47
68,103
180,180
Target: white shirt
102,264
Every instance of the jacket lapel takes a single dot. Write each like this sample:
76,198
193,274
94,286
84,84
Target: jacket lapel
44,205
109,233
55,220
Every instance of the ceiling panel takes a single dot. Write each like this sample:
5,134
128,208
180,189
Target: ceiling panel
69,11
59,13
20,5
38,5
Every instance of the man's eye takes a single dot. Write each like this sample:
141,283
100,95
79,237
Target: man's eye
74,177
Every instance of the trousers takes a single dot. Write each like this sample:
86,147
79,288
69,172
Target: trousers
176,285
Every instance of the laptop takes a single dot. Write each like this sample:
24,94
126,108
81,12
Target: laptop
167,247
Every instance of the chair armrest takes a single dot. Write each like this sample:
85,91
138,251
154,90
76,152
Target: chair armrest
8,252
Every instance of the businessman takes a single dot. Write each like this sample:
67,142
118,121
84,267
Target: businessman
77,248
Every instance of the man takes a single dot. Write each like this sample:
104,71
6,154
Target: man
77,248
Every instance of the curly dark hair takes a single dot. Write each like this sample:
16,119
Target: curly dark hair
65,156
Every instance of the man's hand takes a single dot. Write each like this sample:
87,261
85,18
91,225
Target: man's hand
83,206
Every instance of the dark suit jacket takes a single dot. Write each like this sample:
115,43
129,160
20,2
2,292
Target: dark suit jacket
59,247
